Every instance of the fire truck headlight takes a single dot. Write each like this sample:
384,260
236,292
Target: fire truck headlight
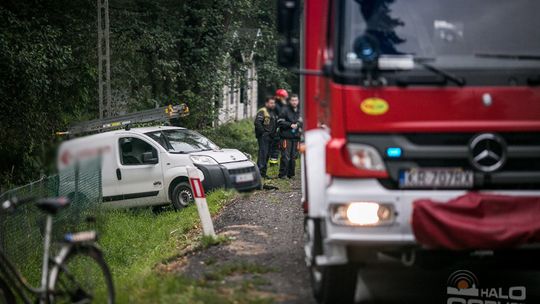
365,157
363,214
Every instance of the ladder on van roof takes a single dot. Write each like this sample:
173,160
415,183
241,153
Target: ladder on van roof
162,114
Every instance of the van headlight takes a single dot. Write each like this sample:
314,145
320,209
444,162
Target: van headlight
363,214
202,160
365,157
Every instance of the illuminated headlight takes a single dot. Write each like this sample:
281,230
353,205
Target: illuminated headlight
365,157
363,214
202,160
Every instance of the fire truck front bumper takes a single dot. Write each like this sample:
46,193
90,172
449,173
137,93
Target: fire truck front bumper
352,223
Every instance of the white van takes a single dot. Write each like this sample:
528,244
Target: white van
147,166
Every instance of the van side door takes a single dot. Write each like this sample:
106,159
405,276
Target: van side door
139,173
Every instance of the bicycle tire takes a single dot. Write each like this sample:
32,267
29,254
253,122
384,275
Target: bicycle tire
62,284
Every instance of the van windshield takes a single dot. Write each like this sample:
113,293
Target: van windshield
182,141
457,34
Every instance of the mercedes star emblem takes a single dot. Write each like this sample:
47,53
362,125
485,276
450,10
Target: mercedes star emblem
487,152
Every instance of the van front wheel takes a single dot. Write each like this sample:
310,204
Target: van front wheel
182,196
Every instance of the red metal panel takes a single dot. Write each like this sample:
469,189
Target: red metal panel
427,109
315,15
443,109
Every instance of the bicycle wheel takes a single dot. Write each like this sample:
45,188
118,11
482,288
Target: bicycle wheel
82,276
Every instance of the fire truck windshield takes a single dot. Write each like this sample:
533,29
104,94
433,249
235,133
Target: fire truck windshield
454,34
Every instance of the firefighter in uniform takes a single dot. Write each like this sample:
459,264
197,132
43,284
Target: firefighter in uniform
281,101
290,125
265,129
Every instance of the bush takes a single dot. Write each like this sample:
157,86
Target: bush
236,135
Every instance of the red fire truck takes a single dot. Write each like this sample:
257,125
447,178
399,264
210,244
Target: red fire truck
420,118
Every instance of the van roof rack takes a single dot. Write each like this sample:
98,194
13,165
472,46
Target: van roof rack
162,114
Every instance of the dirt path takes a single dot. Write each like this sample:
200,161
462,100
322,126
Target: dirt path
263,255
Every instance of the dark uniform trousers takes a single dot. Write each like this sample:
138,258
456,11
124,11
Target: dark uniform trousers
289,153
274,147
264,142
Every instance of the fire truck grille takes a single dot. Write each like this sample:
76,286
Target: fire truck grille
521,169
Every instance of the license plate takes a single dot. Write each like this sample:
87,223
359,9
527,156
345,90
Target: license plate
244,178
436,178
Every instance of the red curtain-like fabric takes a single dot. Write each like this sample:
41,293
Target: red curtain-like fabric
477,221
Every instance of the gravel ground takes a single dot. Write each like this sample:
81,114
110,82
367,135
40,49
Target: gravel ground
263,259
264,229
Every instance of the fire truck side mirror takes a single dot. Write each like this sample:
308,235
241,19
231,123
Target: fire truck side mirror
287,17
287,25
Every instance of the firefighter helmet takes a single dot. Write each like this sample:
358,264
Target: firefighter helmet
282,93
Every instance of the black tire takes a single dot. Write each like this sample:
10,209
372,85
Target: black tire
337,284
6,296
182,196
82,275
330,284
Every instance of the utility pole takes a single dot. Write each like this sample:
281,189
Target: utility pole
104,58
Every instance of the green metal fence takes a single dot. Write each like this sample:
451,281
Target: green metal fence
21,231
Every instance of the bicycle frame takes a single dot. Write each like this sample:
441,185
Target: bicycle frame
20,285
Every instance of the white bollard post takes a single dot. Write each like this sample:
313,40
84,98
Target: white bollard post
200,200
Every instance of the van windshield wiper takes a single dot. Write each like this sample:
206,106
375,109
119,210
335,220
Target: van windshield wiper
508,56
442,80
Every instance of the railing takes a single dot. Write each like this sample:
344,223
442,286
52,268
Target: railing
21,231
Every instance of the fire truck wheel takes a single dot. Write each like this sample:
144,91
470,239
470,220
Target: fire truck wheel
334,284
331,284
182,196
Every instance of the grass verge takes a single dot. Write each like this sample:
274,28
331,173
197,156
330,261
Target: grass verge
137,240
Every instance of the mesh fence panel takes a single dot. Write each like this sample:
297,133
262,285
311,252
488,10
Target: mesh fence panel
21,231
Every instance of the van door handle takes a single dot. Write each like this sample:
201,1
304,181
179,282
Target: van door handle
118,174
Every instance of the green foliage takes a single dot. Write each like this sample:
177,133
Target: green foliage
162,51
238,135
45,78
